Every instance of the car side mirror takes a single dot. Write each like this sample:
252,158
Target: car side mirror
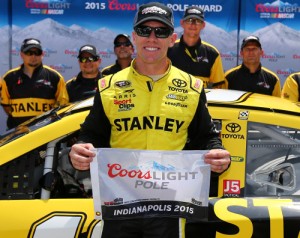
281,176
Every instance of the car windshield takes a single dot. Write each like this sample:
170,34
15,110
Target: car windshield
44,119
30,125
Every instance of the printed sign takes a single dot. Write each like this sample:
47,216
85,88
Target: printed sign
138,183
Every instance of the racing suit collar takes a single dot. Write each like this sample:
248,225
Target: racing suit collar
195,46
37,69
246,69
136,73
80,78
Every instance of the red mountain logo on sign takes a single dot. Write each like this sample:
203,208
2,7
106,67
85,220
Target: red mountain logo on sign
47,7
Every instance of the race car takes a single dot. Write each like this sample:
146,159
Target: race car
42,195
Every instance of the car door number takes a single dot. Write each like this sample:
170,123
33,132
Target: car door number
64,225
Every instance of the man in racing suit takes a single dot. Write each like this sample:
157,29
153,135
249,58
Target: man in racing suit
32,88
86,82
150,105
195,56
291,87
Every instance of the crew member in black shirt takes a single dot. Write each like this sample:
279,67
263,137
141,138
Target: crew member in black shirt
250,75
85,83
123,49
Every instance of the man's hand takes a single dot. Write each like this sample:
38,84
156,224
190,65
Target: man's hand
81,155
218,159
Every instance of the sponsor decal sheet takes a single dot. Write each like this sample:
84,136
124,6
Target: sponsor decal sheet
144,183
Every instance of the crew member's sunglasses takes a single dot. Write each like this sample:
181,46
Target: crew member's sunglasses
193,21
31,52
160,32
119,44
88,59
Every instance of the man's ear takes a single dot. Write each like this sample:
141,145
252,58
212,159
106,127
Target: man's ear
173,39
133,37
181,22
241,53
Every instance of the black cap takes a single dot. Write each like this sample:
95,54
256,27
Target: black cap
88,49
250,39
154,11
194,12
122,35
31,43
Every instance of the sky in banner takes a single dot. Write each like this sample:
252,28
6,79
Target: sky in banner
94,14
88,13
4,13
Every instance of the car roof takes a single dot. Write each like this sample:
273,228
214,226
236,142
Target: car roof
242,99
233,98
217,98
230,97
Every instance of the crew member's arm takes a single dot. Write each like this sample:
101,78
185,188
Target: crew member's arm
277,88
61,95
217,76
5,97
290,88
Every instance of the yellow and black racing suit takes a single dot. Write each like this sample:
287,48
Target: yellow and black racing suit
112,69
291,87
262,81
80,88
202,60
28,97
132,111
